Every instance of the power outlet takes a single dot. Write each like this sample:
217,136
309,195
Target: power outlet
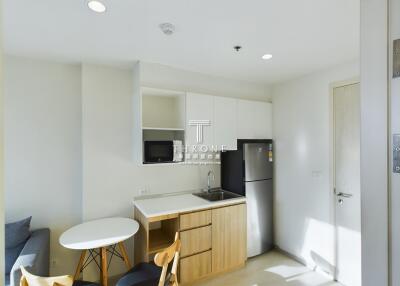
144,191
316,174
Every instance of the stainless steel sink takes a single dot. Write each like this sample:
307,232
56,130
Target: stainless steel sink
216,195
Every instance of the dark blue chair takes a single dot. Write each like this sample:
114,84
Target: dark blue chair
143,274
158,274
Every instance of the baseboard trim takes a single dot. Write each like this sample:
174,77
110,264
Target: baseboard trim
292,256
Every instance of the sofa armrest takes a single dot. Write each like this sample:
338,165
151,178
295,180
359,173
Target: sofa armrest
35,256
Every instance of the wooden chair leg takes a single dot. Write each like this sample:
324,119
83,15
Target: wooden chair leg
163,275
104,274
80,264
124,255
101,269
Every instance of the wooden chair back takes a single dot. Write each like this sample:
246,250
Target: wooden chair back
162,259
29,279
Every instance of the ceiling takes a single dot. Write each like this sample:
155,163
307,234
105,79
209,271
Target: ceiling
304,36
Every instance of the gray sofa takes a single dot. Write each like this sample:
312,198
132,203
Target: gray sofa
35,257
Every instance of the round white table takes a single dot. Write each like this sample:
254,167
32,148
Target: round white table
99,237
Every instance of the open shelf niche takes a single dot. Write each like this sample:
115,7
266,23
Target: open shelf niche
162,234
163,109
159,115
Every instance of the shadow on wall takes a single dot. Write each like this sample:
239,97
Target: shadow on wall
318,249
323,264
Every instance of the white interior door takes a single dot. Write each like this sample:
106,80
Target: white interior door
347,184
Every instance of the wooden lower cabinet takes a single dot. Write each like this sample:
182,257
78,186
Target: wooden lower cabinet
195,240
212,240
195,219
217,247
229,237
195,267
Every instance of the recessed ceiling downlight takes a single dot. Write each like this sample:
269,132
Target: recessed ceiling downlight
96,6
167,28
267,57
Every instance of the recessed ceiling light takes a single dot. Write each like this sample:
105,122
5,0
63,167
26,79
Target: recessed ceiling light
267,57
96,6
167,28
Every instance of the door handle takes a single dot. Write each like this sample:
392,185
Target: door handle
344,195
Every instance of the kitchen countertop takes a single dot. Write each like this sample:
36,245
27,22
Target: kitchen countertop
177,203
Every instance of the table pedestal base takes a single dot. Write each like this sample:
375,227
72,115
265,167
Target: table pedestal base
103,264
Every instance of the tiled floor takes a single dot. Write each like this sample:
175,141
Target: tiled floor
271,269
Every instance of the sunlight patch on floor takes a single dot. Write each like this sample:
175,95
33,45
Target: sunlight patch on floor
271,269
286,271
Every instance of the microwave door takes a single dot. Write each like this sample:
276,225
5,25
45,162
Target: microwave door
159,151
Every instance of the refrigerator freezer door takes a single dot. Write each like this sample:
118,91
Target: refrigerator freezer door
257,165
232,172
259,217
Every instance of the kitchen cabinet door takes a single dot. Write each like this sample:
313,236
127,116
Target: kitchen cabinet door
199,107
225,131
229,237
195,267
254,119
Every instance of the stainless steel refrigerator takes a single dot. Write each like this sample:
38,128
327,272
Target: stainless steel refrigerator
249,172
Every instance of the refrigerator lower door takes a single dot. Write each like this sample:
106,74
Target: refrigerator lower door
259,198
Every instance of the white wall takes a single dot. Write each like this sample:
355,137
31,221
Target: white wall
43,149
177,79
374,138
2,265
303,203
395,121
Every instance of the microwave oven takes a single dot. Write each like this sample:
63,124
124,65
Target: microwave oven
161,152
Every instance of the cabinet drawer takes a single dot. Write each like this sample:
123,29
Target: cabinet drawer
195,240
196,219
195,267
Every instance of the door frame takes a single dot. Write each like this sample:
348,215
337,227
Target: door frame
332,196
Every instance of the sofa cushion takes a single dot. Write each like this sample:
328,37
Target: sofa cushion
7,280
12,255
17,232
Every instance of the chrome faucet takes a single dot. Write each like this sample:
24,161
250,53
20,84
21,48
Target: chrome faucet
209,175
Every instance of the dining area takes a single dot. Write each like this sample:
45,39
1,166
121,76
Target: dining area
102,241
174,239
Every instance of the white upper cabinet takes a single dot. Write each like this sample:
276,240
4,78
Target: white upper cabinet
254,119
225,115
199,107
230,119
